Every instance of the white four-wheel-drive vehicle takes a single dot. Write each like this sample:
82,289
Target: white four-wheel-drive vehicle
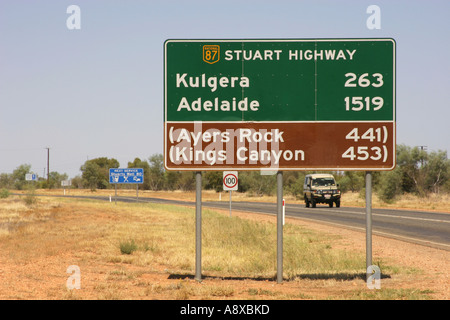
321,188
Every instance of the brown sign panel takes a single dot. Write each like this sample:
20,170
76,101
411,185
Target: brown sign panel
280,146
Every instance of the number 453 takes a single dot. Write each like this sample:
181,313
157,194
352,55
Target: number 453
365,153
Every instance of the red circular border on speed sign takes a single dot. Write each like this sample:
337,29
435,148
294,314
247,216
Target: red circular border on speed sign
230,174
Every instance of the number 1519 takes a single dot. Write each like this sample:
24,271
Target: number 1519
360,103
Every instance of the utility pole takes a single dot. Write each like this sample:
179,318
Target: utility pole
48,167
422,148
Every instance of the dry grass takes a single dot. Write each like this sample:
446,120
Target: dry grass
433,202
42,240
16,213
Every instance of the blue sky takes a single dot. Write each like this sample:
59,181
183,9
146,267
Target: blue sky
98,91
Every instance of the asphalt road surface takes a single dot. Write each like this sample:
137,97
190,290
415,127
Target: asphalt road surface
425,228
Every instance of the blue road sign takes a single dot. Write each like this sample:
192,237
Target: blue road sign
30,177
126,175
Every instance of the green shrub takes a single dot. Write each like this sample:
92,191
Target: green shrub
4,193
128,247
390,186
30,199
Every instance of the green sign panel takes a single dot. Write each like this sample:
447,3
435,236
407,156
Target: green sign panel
280,80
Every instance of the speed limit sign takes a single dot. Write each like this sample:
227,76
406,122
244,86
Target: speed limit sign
230,181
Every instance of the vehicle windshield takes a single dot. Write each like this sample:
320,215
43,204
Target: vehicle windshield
323,182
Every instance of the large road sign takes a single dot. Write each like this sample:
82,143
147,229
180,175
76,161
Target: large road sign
325,104
126,175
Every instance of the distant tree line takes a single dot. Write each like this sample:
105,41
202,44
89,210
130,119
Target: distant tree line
17,181
417,171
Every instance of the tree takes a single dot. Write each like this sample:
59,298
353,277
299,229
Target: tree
77,182
186,181
5,180
156,172
390,185
95,172
293,182
411,162
171,180
437,170
18,176
213,180
254,181
418,171
54,180
352,181
91,175
138,163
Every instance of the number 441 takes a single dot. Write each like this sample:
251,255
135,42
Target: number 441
371,134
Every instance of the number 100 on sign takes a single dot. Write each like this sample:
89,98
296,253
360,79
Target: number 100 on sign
230,181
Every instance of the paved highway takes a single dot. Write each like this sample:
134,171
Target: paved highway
426,228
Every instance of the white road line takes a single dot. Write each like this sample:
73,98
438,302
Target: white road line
383,215
390,235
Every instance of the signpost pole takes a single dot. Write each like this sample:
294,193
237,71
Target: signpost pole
279,227
368,219
115,193
198,226
230,202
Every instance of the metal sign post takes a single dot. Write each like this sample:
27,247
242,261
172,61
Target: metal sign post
368,220
198,226
279,226
230,202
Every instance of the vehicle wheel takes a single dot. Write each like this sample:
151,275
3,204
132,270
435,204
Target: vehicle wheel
313,203
331,204
338,204
306,202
